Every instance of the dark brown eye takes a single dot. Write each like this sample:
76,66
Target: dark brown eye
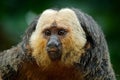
61,32
47,32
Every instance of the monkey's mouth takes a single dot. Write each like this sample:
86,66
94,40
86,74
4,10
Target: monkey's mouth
54,53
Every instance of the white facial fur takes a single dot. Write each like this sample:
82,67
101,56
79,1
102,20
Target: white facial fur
64,18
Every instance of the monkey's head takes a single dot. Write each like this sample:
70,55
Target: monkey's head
60,37
66,39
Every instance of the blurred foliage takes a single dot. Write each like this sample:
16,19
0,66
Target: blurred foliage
15,15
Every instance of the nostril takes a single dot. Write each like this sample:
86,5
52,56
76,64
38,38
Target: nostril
52,45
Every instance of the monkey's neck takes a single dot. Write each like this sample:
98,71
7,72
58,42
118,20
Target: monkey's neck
31,71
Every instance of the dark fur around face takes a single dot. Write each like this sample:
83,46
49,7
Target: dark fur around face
28,33
95,63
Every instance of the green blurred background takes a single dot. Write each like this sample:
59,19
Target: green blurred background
15,15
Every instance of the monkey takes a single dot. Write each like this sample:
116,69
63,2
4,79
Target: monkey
60,44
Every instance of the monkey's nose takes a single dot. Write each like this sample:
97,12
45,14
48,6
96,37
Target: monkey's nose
52,44
54,51
53,47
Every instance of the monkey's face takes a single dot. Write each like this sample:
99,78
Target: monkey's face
58,38
54,46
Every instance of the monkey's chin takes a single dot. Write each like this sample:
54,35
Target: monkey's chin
54,55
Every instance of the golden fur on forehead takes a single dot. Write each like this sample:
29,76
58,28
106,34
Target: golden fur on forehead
72,44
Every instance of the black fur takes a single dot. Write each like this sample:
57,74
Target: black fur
29,32
10,60
95,63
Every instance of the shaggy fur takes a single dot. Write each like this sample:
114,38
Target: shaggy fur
72,44
85,54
